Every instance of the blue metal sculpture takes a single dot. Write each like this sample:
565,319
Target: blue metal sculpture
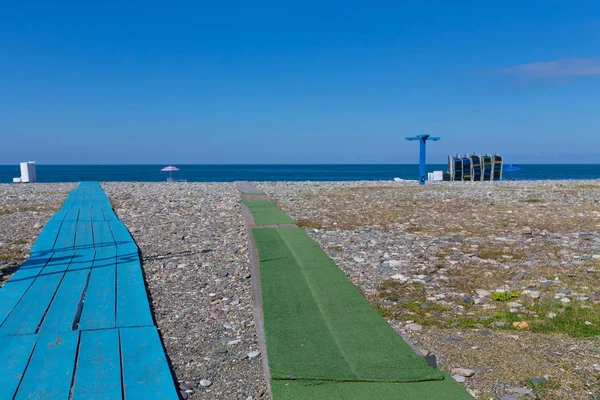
423,140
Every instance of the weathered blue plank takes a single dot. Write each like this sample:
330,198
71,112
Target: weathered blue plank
103,236
146,374
132,301
99,307
28,314
47,237
66,236
120,233
98,373
13,290
66,307
84,236
14,353
50,371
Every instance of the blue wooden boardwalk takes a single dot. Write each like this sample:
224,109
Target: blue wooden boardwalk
75,322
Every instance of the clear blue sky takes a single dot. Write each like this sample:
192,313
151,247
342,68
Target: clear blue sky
315,82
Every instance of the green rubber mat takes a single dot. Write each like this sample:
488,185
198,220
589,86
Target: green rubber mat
265,213
318,326
446,389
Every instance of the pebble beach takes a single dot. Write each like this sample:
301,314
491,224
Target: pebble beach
497,283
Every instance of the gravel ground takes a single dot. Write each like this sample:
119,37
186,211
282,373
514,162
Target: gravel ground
501,279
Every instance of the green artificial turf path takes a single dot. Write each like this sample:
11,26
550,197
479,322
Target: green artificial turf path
265,213
323,338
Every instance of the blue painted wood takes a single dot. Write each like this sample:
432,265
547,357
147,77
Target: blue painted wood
103,236
47,237
13,290
146,374
27,316
14,353
84,235
50,371
99,309
65,310
133,308
66,236
121,234
98,374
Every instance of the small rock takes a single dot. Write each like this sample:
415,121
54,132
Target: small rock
463,372
205,383
518,276
537,381
483,292
359,259
551,315
253,354
514,304
467,300
184,386
534,294
414,327
521,390
394,263
509,397
431,360
565,300
521,324
458,378
583,298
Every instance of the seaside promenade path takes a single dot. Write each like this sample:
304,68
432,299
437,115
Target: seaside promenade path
319,337
75,322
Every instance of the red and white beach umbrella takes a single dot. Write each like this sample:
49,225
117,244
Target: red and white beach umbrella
170,169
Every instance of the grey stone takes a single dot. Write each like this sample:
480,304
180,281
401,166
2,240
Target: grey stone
463,372
254,354
521,390
467,300
518,276
537,381
458,378
205,383
414,327
431,360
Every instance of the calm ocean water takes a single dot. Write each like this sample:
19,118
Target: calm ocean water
224,173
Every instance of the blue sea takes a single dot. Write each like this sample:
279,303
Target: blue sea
226,173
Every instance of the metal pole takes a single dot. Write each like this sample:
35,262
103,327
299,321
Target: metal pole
422,159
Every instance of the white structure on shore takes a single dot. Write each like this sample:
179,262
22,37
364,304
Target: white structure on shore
27,173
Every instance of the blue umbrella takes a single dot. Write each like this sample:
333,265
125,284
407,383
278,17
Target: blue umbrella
511,168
